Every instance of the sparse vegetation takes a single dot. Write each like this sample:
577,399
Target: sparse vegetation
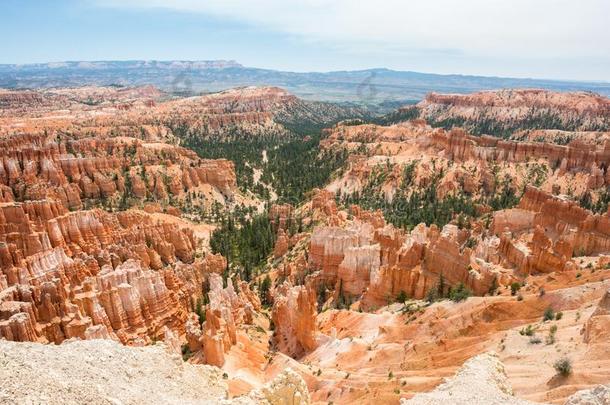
549,314
514,287
563,366
402,297
550,339
459,292
527,331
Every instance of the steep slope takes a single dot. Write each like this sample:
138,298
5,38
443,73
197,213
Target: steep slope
373,338
500,113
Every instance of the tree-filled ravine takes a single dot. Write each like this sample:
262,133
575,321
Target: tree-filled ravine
412,205
245,239
289,165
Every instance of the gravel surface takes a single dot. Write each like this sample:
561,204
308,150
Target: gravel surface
103,372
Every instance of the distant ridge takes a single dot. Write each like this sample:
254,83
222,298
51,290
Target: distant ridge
130,64
378,87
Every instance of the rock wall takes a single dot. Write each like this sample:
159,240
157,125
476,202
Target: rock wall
577,156
519,108
41,166
91,273
226,311
294,317
558,230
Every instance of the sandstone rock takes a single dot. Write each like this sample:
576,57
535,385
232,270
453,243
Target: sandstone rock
597,327
69,275
294,316
485,372
280,215
281,244
509,108
599,395
226,311
288,388
193,333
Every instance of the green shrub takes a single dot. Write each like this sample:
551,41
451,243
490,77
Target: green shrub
432,295
186,352
549,314
527,331
563,366
459,292
514,287
402,296
550,339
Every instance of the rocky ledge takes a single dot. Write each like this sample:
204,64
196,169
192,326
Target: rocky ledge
105,372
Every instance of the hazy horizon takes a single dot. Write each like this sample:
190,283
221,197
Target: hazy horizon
58,62
548,39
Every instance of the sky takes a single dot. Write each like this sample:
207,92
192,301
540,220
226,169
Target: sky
553,39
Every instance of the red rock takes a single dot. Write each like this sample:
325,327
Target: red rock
294,316
281,244
71,272
597,328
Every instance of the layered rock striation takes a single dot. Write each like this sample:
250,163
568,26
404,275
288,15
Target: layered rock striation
91,274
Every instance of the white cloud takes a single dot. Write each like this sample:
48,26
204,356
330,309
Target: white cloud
500,29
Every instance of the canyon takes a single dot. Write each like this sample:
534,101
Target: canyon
467,235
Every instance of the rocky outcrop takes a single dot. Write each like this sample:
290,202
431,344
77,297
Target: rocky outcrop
110,171
505,110
294,317
558,228
281,215
193,333
597,328
376,262
102,371
226,311
514,220
281,244
599,395
486,373
288,388
577,156
90,274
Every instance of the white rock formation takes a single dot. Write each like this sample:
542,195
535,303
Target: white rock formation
599,395
105,372
481,380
